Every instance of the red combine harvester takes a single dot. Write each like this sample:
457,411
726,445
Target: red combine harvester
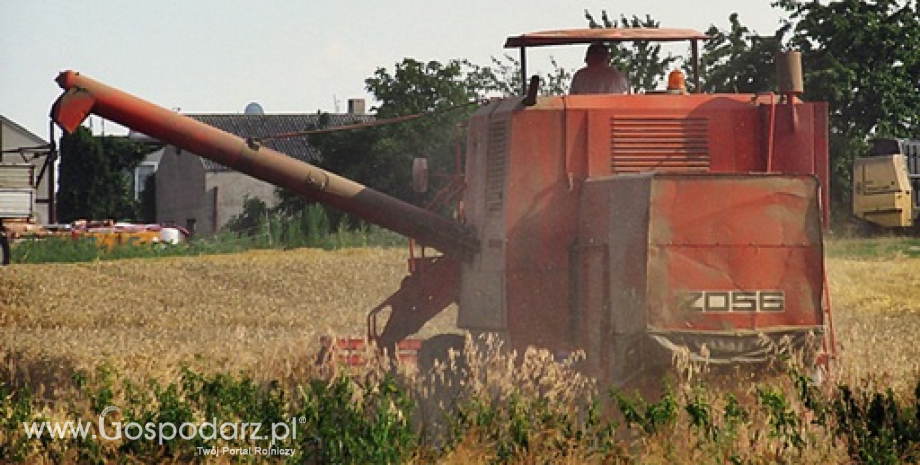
622,225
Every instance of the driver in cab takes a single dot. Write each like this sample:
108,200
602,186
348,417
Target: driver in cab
598,77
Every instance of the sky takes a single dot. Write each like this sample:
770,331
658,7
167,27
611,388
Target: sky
290,56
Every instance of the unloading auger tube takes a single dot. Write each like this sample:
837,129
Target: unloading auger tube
83,96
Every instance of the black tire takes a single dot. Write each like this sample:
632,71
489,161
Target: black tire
443,387
4,250
437,348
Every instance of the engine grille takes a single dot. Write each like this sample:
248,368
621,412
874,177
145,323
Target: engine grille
659,144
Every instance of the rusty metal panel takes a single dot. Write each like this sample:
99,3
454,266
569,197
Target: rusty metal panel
19,176
626,233
800,144
611,265
697,260
735,253
639,144
694,133
483,298
541,220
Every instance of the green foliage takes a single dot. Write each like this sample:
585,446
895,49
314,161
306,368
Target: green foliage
447,94
16,407
641,60
255,213
651,417
784,422
876,248
737,60
283,236
93,183
296,224
367,419
382,157
375,429
56,250
520,427
719,434
326,424
876,427
349,154
855,59
504,77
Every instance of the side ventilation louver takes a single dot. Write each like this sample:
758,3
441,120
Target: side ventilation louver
495,166
658,144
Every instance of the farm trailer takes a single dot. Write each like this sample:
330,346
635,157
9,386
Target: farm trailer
625,226
885,182
17,201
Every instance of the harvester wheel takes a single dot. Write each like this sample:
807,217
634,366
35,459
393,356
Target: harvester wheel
438,348
867,229
4,250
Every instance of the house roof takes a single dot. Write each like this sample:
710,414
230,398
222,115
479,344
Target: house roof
25,132
257,126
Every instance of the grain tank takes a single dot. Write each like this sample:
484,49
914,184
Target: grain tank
623,225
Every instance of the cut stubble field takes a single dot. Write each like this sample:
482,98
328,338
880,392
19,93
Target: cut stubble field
264,312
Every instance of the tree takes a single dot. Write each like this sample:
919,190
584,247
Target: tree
446,93
93,182
642,60
255,213
348,153
504,77
859,57
738,60
859,61
427,101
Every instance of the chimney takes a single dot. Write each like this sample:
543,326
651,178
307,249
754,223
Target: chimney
356,106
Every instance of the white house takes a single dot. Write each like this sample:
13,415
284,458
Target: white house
20,146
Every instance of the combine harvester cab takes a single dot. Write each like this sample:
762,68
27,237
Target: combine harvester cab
627,226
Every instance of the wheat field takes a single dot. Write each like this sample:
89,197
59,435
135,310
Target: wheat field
260,312
263,312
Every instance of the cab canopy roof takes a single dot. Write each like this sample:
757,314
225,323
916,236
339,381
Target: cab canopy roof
584,36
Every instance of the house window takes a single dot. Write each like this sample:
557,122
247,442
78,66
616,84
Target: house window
141,173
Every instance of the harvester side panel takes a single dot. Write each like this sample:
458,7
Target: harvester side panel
482,303
800,145
542,217
612,241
